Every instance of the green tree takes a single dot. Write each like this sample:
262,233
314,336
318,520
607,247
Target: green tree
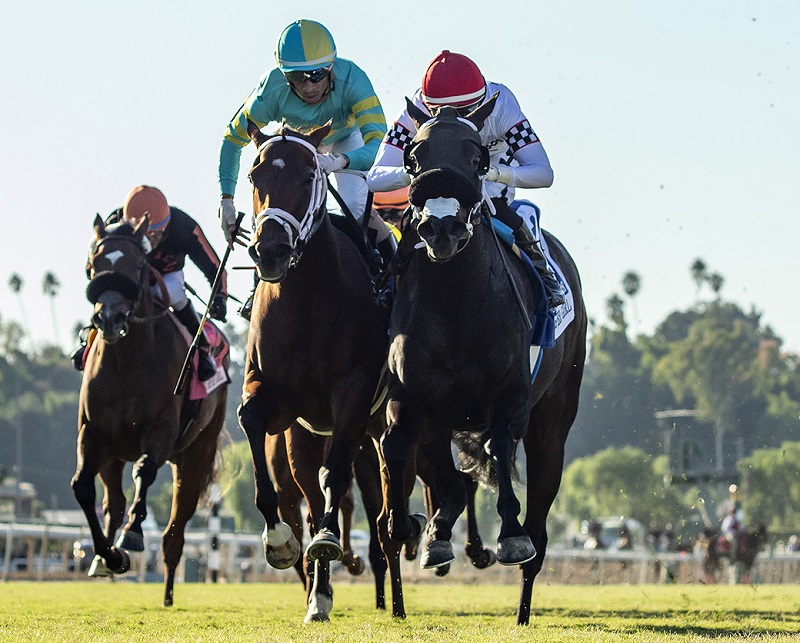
15,284
631,284
699,272
238,487
716,282
50,287
615,308
771,485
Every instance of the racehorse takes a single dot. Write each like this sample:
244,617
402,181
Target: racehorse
127,409
318,339
459,355
741,555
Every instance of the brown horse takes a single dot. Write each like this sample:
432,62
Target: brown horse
460,354
128,412
317,341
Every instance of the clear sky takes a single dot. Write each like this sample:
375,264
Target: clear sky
673,128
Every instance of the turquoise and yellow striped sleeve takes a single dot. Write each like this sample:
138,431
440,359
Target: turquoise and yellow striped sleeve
369,118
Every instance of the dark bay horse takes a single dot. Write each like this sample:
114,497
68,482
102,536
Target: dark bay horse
741,555
317,341
128,412
460,353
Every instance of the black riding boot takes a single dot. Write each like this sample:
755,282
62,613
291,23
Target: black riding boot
523,237
205,364
247,307
77,355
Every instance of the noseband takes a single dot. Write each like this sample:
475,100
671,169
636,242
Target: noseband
297,231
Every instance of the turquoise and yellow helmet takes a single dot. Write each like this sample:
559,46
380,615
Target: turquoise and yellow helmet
303,46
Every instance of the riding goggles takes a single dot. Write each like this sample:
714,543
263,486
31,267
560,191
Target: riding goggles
461,111
315,75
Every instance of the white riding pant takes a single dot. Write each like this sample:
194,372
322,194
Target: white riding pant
173,281
351,187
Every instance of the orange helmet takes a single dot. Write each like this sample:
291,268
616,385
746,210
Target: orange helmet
394,200
145,199
453,80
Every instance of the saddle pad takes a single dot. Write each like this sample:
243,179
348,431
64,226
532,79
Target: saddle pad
219,347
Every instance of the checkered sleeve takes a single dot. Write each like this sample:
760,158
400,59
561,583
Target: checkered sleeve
399,136
519,136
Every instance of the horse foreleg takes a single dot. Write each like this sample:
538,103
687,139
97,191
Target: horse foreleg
320,602
514,546
113,497
280,546
437,551
351,560
144,474
108,559
192,470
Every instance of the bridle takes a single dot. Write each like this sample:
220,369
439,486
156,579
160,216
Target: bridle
474,211
298,231
130,288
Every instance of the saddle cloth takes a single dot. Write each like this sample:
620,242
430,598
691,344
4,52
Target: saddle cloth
219,347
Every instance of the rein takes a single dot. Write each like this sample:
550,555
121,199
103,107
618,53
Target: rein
298,231
135,319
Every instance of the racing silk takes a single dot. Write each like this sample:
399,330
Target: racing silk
507,134
351,103
182,237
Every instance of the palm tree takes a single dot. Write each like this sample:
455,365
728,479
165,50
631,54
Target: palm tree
15,283
716,281
50,287
631,283
699,272
615,308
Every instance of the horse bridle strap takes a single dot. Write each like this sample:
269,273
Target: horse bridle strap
298,231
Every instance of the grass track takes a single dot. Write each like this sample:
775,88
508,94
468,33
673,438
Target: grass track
101,611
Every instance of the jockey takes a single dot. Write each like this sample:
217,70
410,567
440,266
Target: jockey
390,206
173,235
517,157
310,86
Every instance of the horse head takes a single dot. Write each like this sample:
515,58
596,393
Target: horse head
117,272
289,190
447,162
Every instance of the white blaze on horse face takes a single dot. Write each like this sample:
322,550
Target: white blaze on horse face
279,163
440,208
115,256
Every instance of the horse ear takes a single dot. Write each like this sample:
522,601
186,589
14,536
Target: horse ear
255,134
143,226
99,226
417,115
317,135
478,116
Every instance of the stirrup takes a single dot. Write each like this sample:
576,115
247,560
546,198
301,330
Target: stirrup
206,367
246,309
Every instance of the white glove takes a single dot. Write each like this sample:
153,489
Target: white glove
227,218
500,174
332,162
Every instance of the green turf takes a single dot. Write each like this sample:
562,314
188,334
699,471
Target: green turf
102,611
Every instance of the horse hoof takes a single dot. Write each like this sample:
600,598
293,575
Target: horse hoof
443,570
354,563
436,553
130,540
98,568
280,546
515,550
324,547
481,558
319,609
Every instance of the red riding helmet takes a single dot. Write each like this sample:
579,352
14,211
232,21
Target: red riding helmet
454,80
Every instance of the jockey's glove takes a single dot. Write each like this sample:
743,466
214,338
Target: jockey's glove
219,307
332,162
500,174
227,217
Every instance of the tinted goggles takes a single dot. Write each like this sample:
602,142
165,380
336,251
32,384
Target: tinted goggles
461,111
315,75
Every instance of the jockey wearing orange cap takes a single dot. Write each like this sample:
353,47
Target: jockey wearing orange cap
173,235
516,155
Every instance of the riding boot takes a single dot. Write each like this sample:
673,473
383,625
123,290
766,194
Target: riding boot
247,307
206,367
78,353
523,237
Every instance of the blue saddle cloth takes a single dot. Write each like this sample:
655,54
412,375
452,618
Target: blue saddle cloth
543,325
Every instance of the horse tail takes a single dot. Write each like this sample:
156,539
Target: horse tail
474,458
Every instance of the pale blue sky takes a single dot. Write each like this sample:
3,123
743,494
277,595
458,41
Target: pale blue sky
673,128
